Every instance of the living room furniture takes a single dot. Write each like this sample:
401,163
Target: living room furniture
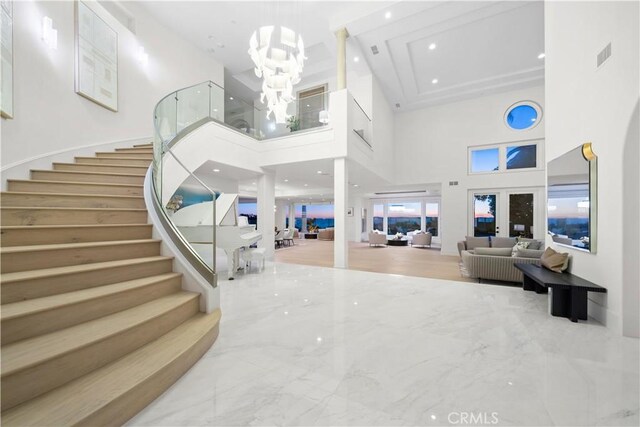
326,234
398,242
421,239
288,237
312,236
568,292
494,267
376,239
279,239
471,243
253,254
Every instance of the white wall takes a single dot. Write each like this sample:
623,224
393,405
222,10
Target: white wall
597,105
431,146
379,158
50,116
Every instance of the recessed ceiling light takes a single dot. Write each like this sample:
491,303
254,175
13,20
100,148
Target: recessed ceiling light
215,110
198,91
231,98
355,185
432,46
253,183
319,172
434,81
356,59
216,170
387,15
286,180
541,56
306,185
308,105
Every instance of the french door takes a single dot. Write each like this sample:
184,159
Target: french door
506,212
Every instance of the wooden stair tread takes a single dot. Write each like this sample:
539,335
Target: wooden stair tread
38,305
20,276
33,351
34,193
74,403
101,165
41,181
35,248
62,208
80,226
123,157
137,175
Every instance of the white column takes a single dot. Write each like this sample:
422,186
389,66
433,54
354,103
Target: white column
292,215
342,35
303,222
280,214
357,216
340,195
266,216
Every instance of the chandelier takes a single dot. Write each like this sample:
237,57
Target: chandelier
279,66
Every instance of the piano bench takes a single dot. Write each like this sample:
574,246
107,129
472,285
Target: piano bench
253,254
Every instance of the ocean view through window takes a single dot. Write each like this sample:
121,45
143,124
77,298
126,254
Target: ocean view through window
320,216
403,218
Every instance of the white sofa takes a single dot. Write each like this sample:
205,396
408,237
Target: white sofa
377,239
421,239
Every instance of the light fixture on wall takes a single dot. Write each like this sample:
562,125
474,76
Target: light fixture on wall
279,62
324,117
143,57
49,35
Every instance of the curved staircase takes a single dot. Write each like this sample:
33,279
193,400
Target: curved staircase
94,323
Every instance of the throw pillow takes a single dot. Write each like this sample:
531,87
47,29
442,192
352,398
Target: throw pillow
519,245
477,242
533,243
529,253
554,261
503,242
505,252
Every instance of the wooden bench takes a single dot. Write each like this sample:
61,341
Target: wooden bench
569,292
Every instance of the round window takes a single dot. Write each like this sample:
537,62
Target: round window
523,115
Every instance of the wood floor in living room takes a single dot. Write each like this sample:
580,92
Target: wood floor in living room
405,260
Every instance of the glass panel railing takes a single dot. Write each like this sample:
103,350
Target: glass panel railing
192,105
360,123
191,210
306,113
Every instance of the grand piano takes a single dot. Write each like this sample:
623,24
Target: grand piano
195,222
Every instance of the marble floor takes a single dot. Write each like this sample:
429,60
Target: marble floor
303,345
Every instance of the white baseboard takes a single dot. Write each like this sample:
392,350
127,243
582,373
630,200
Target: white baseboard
21,169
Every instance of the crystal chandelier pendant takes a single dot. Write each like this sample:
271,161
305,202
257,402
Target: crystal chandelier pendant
279,65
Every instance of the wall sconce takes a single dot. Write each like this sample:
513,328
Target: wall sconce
143,57
49,35
324,117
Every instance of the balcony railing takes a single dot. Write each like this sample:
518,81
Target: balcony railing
185,107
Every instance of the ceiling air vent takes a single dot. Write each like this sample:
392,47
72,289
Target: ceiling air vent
397,105
604,55
375,50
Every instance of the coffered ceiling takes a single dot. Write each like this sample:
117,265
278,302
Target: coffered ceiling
435,52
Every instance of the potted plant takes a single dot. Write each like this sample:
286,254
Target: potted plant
293,123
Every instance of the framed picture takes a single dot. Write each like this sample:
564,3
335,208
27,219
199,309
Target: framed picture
96,58
6,56
349,211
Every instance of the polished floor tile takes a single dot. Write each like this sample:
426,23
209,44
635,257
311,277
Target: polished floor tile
304,345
